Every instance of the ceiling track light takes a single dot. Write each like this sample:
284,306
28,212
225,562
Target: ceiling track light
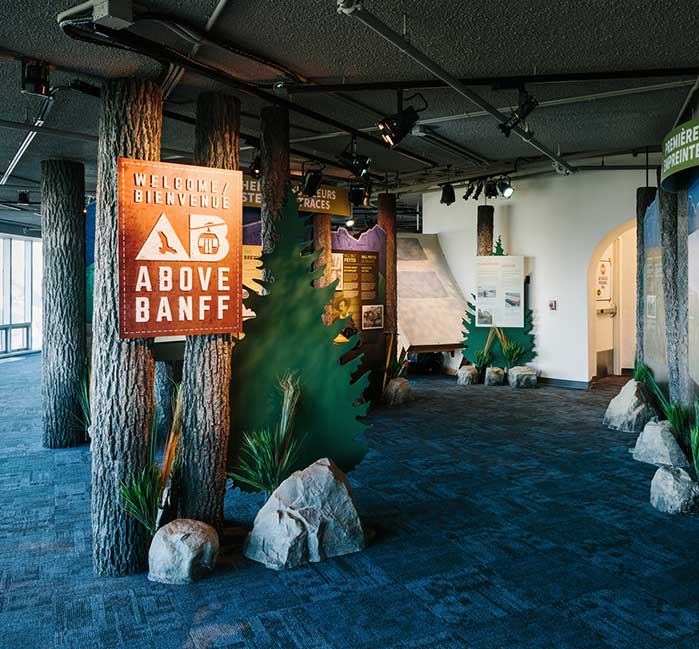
357,163
469,191
527,103
479,189
256,168
491,190
448,195
310,184
394,128
505,188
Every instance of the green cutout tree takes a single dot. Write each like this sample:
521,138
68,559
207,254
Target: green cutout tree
288,335
499,251
475,337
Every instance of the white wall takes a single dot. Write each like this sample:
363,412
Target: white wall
557,223
627,299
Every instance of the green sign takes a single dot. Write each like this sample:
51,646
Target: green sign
680,152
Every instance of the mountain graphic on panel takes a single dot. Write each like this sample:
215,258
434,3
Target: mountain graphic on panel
162,243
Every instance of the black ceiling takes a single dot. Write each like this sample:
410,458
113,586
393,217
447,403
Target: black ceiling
470,39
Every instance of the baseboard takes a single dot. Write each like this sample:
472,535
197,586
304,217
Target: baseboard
564,383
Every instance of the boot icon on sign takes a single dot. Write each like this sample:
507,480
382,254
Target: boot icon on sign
207,242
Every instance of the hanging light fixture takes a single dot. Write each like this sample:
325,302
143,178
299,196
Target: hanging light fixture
256,168
394,128
527,103
505,187
356,193
469,191
479,189
448,195
491,190
359,164
312,178
349,222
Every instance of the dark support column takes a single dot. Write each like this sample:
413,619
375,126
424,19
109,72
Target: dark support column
684,391
485,230
387,220
673,301
163,391
206,375
274,162
323,241
644,197
63,346
122,370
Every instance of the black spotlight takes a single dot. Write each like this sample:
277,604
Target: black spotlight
527,104
23,198
35,78
448,196
395,127
357,193
311,182
359,164
491,190
479,189
505,187
469,191
256,168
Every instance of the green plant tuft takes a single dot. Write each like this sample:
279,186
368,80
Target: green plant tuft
268,458
513,352
482,359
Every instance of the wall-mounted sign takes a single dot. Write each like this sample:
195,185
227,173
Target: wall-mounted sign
359,298
500,288
680,152
180,241
603,281
328,200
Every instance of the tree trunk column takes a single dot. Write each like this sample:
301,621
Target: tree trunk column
122,370
485,230
387,221
323,243
206,375
670,266
63,345
274,164
644,197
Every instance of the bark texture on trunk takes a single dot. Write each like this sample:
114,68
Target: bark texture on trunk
206,374
163,392
644,197
387,220
323,242
485,230
122,370
63,344
274,161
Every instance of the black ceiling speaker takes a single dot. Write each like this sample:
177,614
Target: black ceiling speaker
448,195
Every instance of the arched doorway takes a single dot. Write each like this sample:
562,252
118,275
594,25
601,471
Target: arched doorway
611,297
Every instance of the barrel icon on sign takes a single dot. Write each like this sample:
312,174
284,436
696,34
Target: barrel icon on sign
208,242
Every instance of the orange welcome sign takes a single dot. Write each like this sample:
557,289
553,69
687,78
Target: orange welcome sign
180,249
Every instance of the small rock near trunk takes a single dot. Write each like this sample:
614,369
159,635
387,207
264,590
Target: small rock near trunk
398,391
673,491
629,411
521,376
182,551
657,445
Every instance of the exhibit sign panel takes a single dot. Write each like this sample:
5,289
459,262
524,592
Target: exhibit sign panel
500,288
680,152
180,249
603,281
329,199
359,299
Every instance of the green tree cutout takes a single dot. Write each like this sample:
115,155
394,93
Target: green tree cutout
475,337
499,251
288,335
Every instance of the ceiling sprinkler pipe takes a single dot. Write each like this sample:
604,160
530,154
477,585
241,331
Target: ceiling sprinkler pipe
355,9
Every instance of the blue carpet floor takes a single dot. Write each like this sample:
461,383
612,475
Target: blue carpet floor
502,518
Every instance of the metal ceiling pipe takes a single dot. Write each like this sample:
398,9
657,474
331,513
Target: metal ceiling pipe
355,9
138,44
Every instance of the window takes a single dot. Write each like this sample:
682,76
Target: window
20,295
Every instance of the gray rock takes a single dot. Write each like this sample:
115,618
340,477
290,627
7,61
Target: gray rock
398,391
311,516
494,376
657,445
629,411
673,491
467,375
182,551
521,376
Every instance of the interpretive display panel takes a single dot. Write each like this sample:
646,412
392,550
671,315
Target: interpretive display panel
359,297
180,249
693,276
499,296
